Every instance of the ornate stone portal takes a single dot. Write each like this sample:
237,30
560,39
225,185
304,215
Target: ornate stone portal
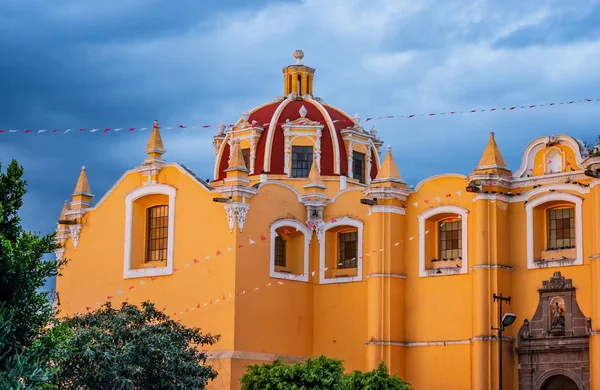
553,347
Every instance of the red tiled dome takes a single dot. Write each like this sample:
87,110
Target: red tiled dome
270,148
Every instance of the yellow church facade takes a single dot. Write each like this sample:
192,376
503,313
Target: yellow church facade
307,241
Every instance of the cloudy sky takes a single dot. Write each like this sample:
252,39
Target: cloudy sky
123,63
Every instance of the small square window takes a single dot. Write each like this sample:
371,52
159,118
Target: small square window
302,157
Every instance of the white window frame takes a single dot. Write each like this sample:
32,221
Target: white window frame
423,217
299,227
149,189
555,196
322,243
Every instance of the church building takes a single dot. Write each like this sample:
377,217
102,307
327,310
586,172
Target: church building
308,241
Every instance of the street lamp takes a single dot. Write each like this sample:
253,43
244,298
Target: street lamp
507,320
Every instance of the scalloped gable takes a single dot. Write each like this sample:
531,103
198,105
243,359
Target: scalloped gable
551,155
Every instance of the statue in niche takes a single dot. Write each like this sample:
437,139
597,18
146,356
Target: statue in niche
558,319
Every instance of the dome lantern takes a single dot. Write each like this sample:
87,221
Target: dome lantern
298,78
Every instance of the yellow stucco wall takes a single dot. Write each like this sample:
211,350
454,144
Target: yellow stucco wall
429,329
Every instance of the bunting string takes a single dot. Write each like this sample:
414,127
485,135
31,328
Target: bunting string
209,126
123,292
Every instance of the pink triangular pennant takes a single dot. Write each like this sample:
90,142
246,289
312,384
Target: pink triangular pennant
196,261
262,238
218,253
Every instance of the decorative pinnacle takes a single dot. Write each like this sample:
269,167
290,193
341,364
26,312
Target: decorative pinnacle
492,135
245,116
298,55
221,127
356,119
389,148
83,168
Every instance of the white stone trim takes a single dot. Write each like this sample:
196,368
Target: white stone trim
299,227
387,209
382,275
271,132
463,213
322,243
278,183
556,187
538,144
345,190
150,189
443,175
332,132
236,212
555,196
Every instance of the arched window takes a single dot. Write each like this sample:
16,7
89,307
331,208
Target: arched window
443,241
149,231
341,251
289,250
157,233
554,230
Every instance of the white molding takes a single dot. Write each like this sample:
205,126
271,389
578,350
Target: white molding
236,212
492,197
382,275
150,189
554,196
493,266
271,133
440,176
299,227
323,242
463,213
332,132
556,187
278,183
527,161
345,191
387,209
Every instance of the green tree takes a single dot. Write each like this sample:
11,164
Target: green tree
25,311
318,373
378,379
132,348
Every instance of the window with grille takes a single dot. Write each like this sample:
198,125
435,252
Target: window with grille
279,251
246,154
358,166
450,239
158,224
348,250
302,157
561,228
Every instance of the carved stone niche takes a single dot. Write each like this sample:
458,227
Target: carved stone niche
554,347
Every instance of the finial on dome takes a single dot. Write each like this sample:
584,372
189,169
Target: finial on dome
356,119
303,111
245,116
298,55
